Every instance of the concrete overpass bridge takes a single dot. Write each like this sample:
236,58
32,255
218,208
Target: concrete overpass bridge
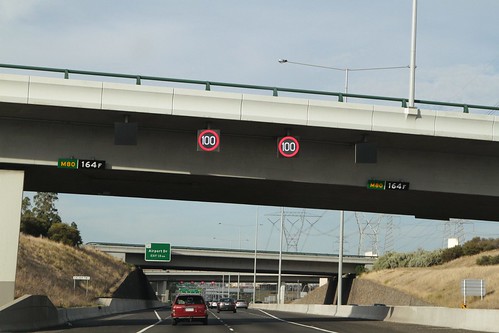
237,261
215,266
142,141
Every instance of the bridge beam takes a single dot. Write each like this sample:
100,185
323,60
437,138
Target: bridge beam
11,194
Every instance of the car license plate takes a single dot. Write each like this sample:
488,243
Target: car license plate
189,309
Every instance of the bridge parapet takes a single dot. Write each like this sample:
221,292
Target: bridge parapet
103,96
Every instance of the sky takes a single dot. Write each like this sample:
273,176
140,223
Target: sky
457,59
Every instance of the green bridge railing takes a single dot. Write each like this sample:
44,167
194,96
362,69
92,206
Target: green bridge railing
275,90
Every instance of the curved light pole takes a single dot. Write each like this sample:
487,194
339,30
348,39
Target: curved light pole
246,240
346,69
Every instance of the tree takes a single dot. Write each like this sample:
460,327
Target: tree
26,207
30,223
44,220
33,226
65,233
45,207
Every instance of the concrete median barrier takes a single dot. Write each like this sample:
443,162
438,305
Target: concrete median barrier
470,319
34,312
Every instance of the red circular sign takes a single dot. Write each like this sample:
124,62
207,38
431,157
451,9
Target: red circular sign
288,146
208,140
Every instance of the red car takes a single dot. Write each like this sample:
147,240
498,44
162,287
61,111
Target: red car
189,308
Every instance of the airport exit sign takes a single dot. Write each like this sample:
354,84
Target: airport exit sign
158,252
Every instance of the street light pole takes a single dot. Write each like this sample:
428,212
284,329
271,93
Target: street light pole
340,260
240,247
254,263
280,259
412,82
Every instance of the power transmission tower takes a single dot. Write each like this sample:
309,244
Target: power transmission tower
369,229
296,224
454,228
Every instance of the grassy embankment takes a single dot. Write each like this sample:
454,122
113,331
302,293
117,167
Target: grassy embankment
47,268
441,285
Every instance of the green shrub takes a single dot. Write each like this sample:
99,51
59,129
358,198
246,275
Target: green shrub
419,258
452,253
422,258
478,245
488,260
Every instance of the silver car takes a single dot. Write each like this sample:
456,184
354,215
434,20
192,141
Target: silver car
226,304
241,303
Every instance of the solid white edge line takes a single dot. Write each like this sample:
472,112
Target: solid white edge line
298,324
157,315
151,326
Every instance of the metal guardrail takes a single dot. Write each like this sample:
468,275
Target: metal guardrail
275,90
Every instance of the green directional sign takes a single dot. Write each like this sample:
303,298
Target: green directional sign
158,252
189,290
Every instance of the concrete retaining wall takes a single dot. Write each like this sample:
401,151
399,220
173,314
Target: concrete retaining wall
471,319
34,312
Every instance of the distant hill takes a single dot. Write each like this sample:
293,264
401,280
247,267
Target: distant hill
47,268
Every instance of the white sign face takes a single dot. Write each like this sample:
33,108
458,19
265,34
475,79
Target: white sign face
77,277
473,287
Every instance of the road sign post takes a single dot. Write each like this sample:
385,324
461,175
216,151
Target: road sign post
81,278
158,252
472,287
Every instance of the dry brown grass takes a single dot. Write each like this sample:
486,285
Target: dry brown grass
441,285
47,268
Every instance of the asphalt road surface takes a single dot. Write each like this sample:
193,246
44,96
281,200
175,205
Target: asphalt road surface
244,321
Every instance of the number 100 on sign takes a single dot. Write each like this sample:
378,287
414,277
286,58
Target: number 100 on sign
208,140
288,146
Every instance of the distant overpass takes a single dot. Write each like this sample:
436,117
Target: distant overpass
223,260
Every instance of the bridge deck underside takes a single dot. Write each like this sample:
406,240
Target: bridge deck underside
296,191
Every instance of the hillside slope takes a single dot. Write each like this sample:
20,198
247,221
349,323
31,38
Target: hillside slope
47,268
437,286
441,285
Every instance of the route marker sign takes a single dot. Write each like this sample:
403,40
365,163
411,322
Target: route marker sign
387,185
67,163
158,252
74,163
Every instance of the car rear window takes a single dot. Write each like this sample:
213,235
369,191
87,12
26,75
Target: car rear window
189,300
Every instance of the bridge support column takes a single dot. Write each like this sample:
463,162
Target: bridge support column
11,194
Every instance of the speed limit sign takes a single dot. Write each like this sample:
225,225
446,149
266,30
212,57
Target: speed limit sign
208,140
288,146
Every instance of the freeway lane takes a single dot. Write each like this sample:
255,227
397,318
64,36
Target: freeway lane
244,321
